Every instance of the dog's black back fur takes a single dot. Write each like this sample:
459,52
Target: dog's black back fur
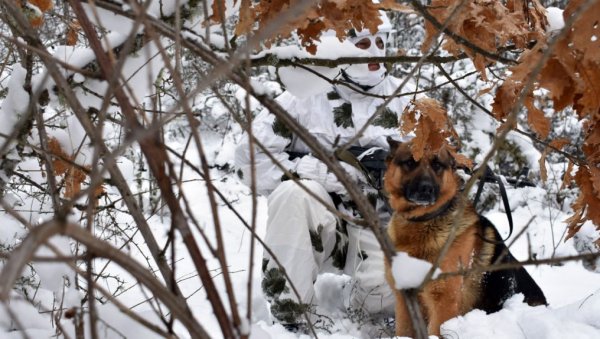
498,286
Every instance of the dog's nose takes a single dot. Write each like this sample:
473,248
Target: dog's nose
423,192
425,189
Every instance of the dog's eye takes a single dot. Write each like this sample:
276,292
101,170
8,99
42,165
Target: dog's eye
437,165
409,163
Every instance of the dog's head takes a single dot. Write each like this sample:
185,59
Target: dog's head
417,188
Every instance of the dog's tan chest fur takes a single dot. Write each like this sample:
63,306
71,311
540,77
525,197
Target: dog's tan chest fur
445,298
424,240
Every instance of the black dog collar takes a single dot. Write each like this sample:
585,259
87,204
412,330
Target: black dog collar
439,212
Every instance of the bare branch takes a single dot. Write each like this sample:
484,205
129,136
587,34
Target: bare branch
41,233
158,160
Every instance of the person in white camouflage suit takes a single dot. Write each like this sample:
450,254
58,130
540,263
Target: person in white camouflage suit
307,238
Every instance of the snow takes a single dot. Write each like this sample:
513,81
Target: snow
572,291
117,24
28,316
117,325
530,153
15,102
409,272
304,83
52,274
555,19
10,229
126,167
517,321
75,56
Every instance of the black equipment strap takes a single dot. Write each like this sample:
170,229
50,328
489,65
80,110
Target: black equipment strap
349,157
489,176
372,162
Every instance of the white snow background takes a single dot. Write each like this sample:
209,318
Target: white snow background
572,291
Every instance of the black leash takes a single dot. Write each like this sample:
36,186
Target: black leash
490,176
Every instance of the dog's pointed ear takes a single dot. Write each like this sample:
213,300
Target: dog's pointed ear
394,144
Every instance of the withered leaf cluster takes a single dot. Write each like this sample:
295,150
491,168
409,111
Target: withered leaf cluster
337,15
432,128
571,74
34,10
488,24
64,165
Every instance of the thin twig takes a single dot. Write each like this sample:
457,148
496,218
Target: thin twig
531,136
41,233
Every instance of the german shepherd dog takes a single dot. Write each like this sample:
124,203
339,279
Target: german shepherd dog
425,197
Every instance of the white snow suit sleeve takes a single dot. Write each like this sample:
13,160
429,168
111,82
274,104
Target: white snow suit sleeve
268,174
276,138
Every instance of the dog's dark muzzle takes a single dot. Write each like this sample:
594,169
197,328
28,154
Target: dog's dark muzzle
422,192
